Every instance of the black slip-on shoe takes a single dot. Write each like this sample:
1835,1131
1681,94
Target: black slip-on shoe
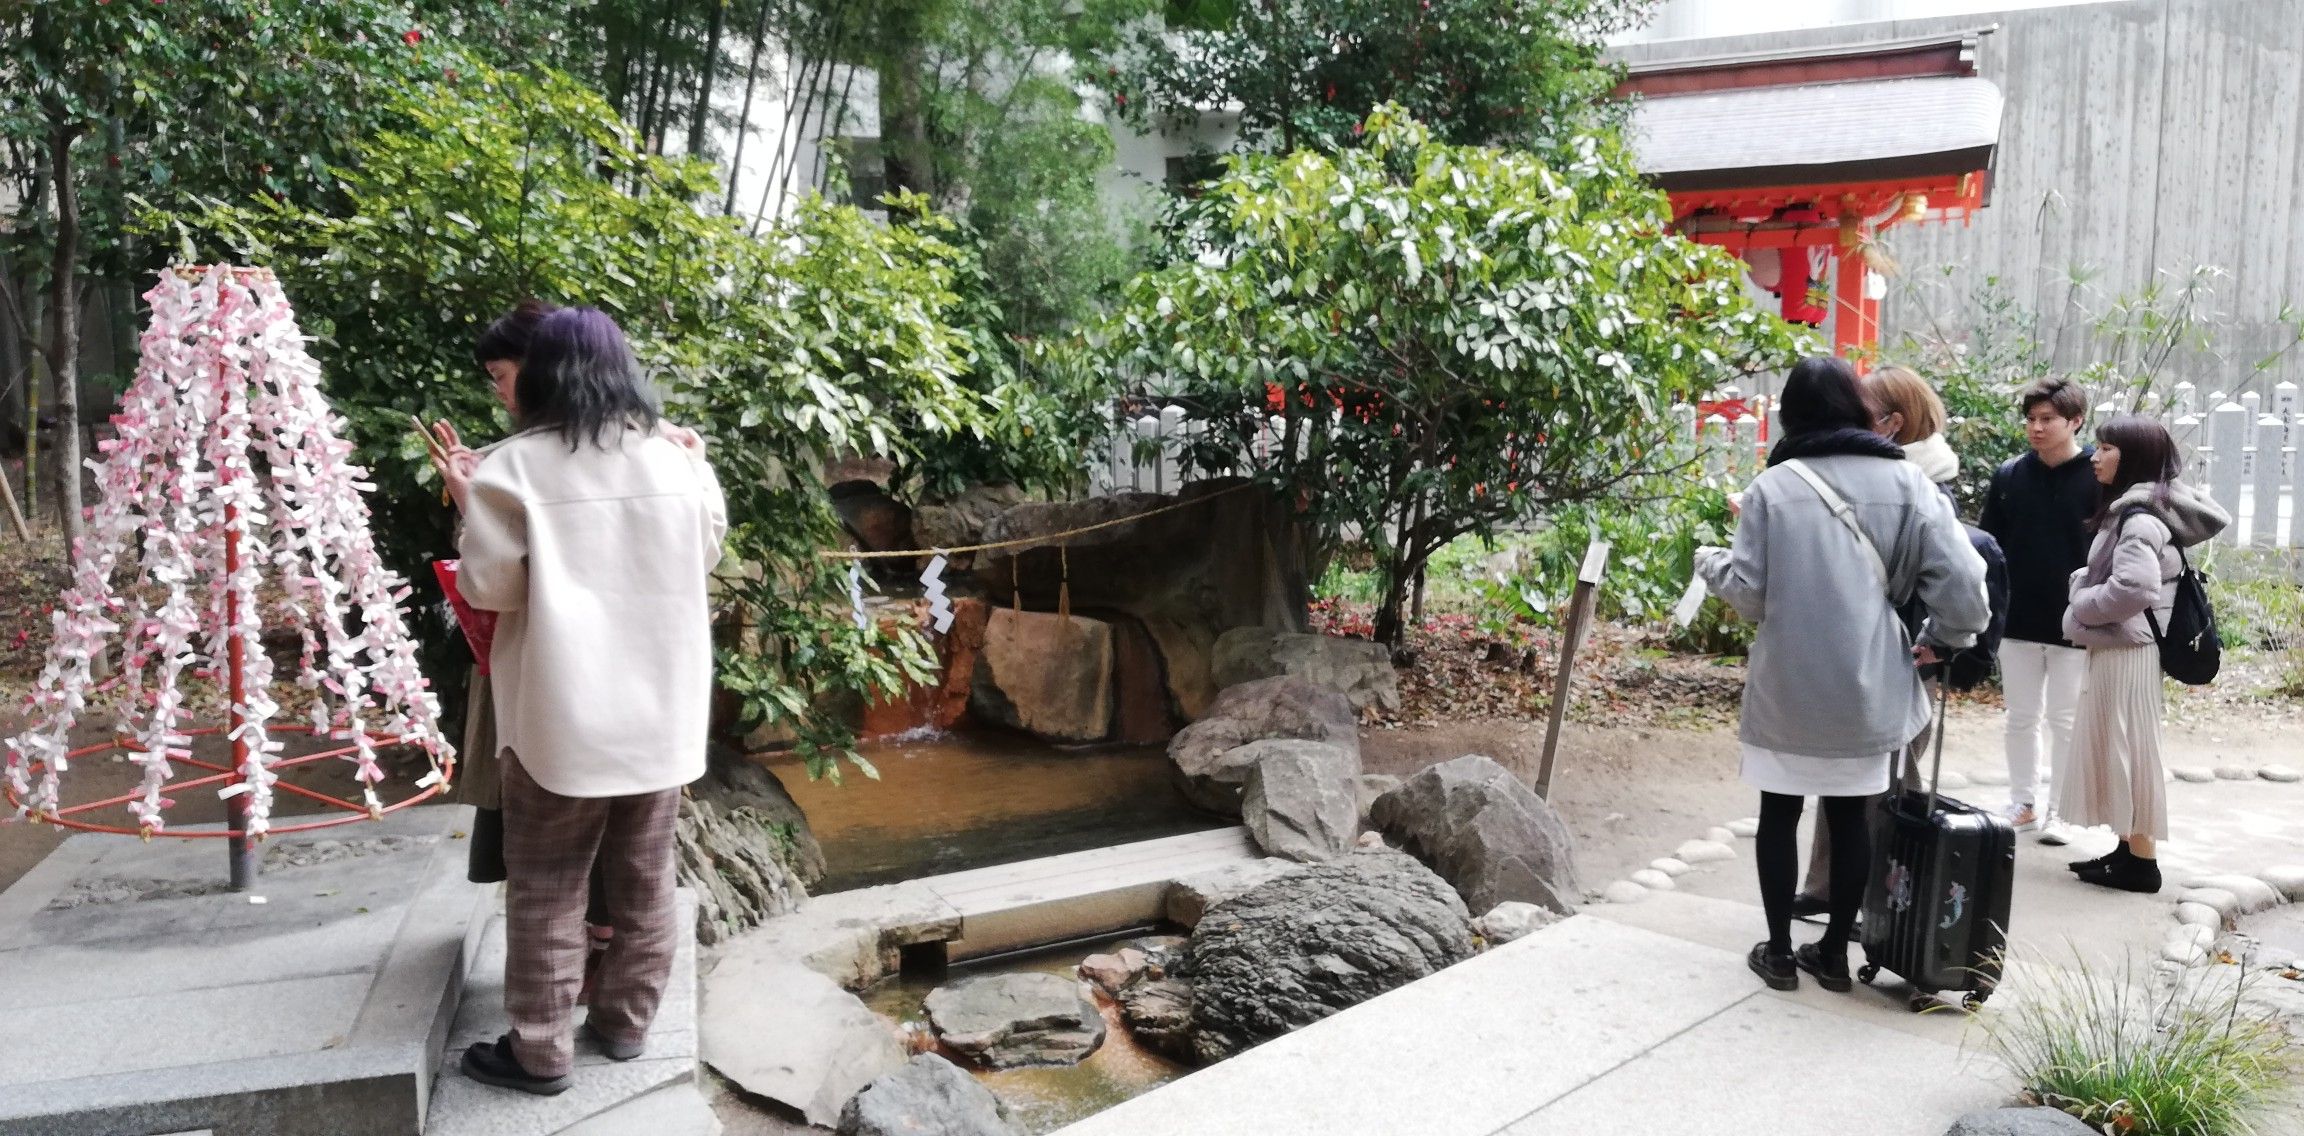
492,1063
2133,873
1807,906
1774,968
1830,970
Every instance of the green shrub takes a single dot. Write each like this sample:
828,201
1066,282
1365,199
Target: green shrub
2259,601
2188,1060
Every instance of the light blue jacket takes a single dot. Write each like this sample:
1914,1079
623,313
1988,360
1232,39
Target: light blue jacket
1831,672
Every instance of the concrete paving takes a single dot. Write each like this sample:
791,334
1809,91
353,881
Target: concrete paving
603,1091
143,997
1584,1027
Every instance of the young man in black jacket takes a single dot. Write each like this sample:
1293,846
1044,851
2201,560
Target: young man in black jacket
2038,509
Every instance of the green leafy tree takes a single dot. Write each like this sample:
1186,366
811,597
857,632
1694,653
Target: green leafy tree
833,335
1306,73
1457,338
104,101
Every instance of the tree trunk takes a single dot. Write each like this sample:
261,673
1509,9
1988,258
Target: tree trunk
659,83
744,120
64,346
703,114
904,152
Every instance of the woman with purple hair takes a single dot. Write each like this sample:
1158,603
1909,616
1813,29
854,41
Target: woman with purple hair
593,531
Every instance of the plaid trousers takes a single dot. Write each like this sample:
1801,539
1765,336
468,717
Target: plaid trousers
550,845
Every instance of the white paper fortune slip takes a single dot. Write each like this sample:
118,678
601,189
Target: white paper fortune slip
1691,601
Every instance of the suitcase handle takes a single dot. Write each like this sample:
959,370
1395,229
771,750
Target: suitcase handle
1936,769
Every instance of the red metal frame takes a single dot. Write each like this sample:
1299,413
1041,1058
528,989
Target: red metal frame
222,775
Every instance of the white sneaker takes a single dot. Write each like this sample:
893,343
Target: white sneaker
2055,833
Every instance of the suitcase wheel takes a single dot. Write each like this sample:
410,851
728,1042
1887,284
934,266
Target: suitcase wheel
1975,999
1867,974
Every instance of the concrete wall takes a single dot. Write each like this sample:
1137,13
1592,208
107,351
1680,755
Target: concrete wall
2141,139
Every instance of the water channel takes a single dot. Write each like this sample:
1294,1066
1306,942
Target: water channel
974,799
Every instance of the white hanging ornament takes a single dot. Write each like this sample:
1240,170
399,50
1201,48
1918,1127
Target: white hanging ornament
227,472
856,595
939,607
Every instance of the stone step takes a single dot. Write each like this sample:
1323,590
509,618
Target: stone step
144,997
1587,1026
1078,894
463,1107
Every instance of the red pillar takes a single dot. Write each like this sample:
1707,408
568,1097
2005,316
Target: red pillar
1855,319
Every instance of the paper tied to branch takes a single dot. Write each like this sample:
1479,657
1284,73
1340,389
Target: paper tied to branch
856,595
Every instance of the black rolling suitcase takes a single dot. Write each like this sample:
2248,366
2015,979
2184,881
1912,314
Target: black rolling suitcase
1936,910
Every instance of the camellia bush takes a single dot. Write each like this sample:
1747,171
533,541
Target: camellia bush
831,334
1453,339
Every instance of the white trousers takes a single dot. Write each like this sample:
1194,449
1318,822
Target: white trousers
2043,688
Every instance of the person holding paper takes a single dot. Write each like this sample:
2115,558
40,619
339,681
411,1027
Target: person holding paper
593,532
1837,534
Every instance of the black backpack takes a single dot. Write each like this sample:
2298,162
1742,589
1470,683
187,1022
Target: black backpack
2190,650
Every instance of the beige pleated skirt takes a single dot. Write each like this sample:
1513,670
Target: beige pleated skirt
2115,777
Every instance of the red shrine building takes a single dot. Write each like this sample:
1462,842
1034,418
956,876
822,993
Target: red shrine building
1799,160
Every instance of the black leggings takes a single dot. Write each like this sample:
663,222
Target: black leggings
1778,854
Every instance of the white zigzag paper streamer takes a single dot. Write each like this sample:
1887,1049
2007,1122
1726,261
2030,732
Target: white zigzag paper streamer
856,595
939,608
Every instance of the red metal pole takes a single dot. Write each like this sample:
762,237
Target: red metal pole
242,862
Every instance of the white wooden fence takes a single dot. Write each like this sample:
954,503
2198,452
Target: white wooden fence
2244,450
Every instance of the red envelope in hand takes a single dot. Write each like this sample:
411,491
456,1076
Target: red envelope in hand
479,626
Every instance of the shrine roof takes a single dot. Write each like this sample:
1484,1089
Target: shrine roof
1828,132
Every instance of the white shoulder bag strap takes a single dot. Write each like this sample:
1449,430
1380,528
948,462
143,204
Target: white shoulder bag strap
1847,516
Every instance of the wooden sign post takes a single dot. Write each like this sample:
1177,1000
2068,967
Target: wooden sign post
1580,609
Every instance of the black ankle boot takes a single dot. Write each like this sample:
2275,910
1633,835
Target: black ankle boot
2128,873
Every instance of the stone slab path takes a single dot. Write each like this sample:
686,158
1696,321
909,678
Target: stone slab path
1588,1026
653,1095
142,996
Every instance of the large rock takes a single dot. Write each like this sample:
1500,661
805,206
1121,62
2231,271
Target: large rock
1307,944
1190,898
1484,831
2019,1122
1009,1020
1159,1013
878,522
1302,800
1226,559
1359,670
794,1036
1047,675
1214,777
744,846
928,1096
962,520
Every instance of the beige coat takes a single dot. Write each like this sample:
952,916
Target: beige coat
598,559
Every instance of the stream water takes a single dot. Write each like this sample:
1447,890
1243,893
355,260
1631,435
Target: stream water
971,800
1044,1100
